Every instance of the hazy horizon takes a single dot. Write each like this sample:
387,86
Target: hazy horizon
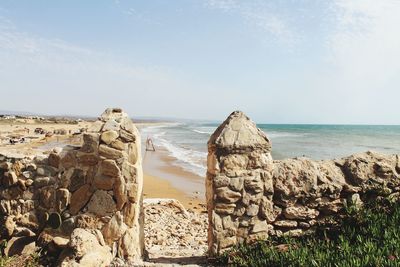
286,62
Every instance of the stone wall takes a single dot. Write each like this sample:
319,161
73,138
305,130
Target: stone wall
250,196
82,204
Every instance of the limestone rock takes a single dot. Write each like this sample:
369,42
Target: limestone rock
128,248
114,229
111,125
90,143
10,178
9,225
223,208
60,242
43,181
286,223
5,165
103,182
227,195
120,192
113,114
294,178
127,136
54,160
110,168
118,144
239,132
109,136
132,153
79,199
63,198
110,153
101,204
87,159
87,247
261,226
20,246
299,212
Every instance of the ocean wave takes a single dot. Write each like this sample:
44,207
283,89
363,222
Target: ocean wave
189,159
203,132
283,134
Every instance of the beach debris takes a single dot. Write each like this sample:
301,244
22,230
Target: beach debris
172,231
39,131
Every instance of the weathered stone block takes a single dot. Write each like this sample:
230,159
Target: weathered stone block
299,212
80,198
103,182
101,203
109,136
110,153
226,195
286,223
221,181
222,208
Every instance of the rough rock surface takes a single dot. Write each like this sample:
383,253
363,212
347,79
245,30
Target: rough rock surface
93,189
171,231
250,196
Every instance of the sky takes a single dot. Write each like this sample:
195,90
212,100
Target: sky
279,61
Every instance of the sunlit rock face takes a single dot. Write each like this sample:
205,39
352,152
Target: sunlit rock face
96,188
250,196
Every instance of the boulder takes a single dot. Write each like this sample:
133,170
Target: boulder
102,203
20,246
128,248
114,229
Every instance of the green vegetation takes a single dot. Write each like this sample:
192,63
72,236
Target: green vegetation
368,237
18,260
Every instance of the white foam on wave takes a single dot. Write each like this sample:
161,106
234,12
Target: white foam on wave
283,134
189,159
203,132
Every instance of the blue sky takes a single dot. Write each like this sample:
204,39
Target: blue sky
281,61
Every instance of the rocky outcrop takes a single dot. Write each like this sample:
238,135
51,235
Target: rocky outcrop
250,196
94,190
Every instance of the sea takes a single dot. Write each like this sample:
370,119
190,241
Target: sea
187,142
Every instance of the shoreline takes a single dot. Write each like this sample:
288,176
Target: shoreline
164,179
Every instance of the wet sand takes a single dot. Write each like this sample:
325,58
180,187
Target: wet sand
162,178
165,180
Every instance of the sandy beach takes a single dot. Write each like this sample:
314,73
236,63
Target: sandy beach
162,179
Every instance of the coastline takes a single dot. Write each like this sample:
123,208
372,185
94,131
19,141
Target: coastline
164,179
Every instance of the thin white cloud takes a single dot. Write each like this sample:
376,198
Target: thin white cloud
261,15
365,44
54,76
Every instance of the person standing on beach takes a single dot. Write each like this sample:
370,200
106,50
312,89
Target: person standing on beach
149,145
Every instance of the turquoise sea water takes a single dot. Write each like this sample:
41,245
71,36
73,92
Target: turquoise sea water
187,142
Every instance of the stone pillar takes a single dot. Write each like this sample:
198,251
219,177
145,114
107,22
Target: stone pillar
119,173
89,197
239,186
